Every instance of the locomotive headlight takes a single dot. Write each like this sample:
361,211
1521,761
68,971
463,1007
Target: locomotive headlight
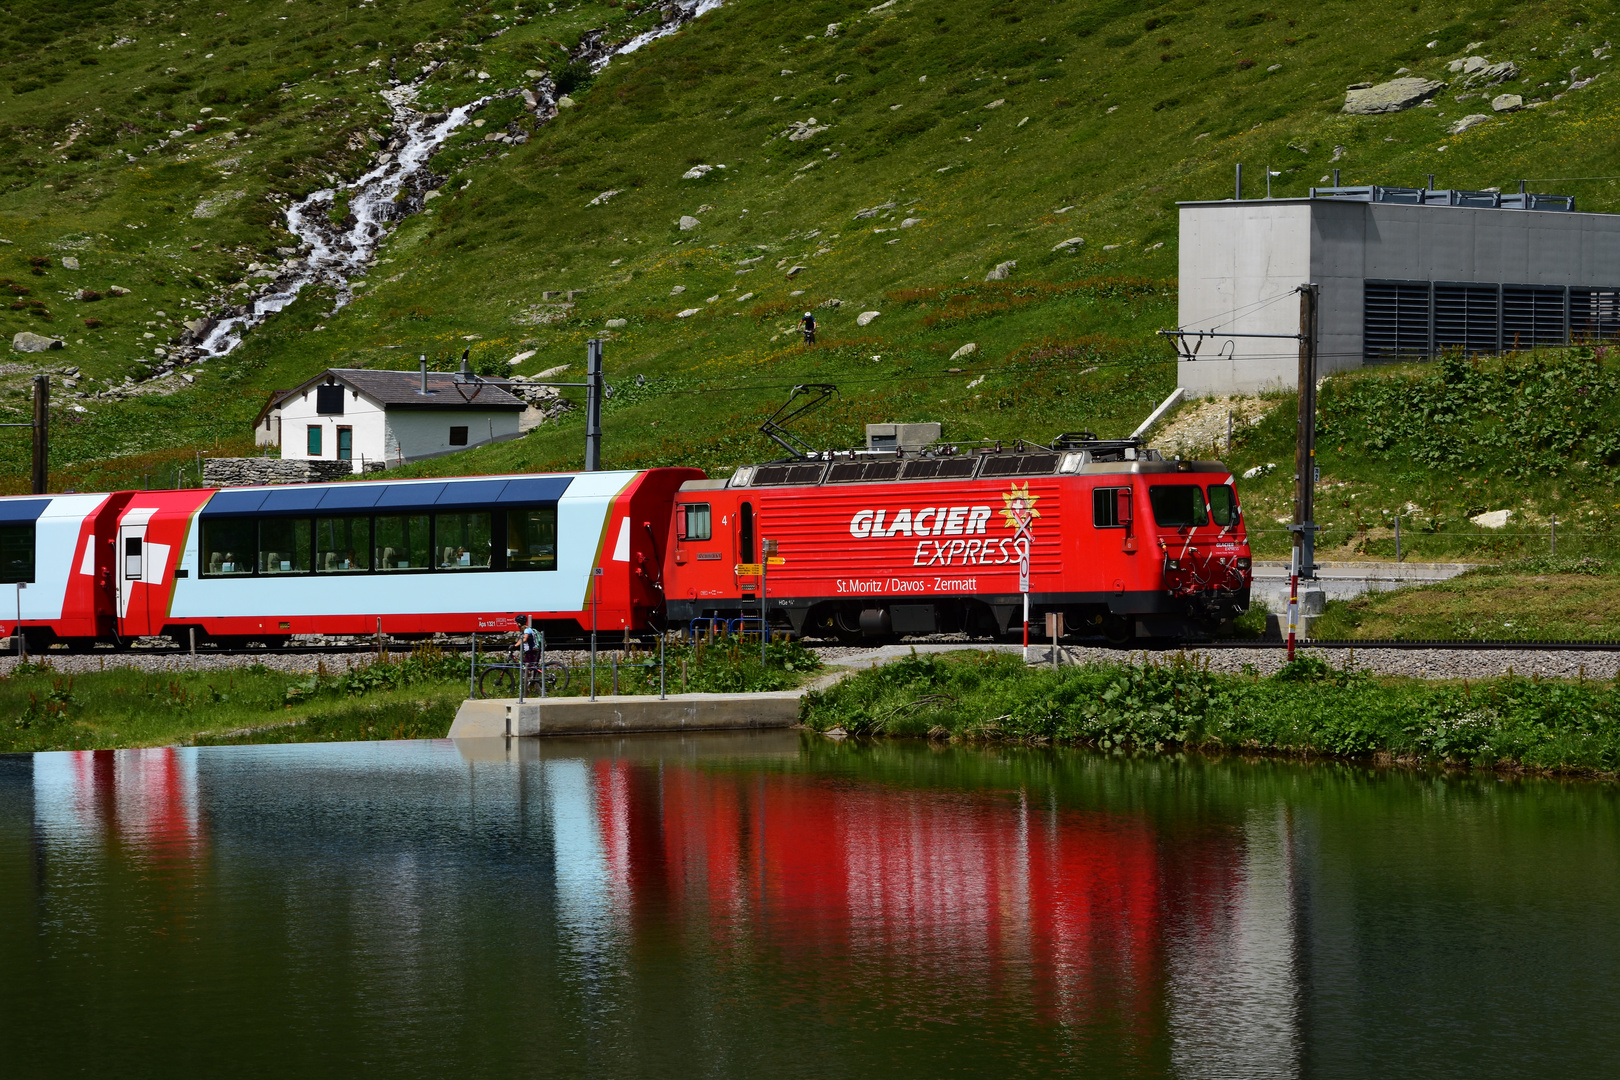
1172,564
1243,563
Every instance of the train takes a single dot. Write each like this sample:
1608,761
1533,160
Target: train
1121,541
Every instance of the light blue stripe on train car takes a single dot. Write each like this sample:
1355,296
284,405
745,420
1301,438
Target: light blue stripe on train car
582,518
58,520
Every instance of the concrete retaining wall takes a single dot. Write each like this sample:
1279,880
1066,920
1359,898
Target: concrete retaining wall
495,717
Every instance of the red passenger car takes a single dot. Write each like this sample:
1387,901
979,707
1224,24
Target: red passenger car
1108,533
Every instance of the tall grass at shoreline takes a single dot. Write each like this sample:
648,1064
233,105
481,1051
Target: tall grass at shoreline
1307,709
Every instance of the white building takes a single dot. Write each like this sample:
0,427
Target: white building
393,417
1404,274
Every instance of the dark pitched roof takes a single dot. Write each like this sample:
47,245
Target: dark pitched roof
400,389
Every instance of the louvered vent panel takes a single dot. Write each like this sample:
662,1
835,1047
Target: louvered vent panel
1465,317
1594,314
1531,317
1395,321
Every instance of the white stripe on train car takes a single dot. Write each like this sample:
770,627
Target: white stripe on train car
137,516
87,565
582,522
621,550
56,551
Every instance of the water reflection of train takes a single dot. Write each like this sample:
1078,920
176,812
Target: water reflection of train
1118,540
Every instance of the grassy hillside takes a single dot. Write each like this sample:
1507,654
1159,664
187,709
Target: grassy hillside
997,130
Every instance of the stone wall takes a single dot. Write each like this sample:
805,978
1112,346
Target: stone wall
244,472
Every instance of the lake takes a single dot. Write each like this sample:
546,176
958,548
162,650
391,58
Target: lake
778,904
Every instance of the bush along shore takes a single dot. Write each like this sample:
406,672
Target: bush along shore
1306,709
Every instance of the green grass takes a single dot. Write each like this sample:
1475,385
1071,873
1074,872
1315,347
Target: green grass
1546,599
1129,108
125,707
1307,709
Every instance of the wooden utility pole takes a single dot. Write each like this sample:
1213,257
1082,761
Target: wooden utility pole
1304,528
42,432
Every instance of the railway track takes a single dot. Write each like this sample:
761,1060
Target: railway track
363,647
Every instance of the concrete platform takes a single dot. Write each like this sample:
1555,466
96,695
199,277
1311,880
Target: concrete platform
493,717
1348,580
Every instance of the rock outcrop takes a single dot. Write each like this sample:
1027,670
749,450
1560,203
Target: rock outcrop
1392,96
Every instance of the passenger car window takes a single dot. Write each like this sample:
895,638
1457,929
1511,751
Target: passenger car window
464,541
342,545
17,553
403,542
1178,506
284,545
531,539
1223,508
230,547
698,522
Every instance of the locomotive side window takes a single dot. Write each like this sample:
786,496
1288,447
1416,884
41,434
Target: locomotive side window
696,522
16,553
342,545
230,547
1178,506
1105,507
531,539
403,542
284,546
1223,508
745,533
463,541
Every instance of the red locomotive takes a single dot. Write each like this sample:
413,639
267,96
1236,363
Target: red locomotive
1108,533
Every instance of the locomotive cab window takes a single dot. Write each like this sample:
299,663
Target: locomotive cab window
1178,506
17,553
531,539
230,547
1105,507
1223,507
694,521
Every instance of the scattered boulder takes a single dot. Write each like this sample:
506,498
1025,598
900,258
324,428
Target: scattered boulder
688,223
1507,102
617,324
697,172
565,102
1478,71
831,304
69,262
1002,271
865,317
117,290
745,297
793,271
800,130
996,104
967,350
712,299
873,211
214,205
1392,96
26,341
833,28
1071,245
600,199
1259,470
1492,519
1467,122
677,290
910,221
688,313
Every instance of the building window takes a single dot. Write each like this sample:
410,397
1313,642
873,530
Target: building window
458,436
313,446
329,400
345,444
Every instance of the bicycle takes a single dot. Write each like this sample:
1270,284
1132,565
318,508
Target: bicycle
501,680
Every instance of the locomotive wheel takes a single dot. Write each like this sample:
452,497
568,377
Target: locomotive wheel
846,627
1117,629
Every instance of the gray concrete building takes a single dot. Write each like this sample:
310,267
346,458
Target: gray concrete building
1404,274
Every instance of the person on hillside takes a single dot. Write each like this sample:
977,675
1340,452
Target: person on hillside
808,325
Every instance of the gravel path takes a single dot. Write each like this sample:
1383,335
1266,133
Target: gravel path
1414,663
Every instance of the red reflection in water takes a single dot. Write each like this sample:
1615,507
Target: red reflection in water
975,894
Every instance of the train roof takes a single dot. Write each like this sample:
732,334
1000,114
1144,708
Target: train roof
858,467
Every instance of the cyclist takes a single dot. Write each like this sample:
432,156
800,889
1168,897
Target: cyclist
530,642
808,326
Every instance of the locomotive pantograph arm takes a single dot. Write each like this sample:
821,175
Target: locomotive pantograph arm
809,397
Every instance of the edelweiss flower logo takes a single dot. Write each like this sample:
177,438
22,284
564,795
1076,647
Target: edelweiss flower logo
1020,509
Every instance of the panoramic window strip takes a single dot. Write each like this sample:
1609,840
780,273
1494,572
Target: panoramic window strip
1415,320
338,545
